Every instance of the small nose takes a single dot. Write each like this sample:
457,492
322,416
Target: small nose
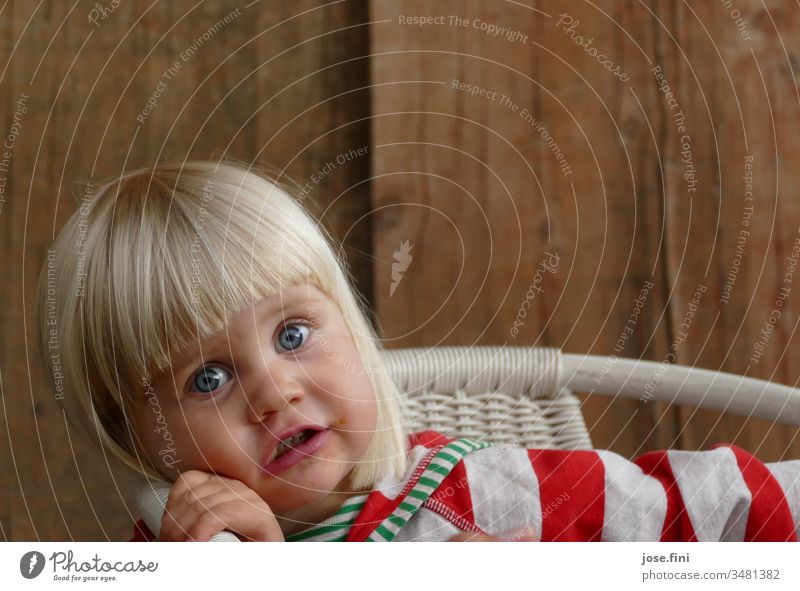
274,392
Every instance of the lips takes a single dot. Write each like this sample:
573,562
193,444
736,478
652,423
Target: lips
290,432
297,454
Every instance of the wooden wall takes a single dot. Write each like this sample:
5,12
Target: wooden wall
283,84
662,249
580,160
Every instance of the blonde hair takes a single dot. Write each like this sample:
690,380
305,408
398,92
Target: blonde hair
121,289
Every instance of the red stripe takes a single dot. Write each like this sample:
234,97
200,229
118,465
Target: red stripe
572,494
376,508
770,518
677,524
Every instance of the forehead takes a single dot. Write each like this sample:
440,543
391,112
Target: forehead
287,300
306,297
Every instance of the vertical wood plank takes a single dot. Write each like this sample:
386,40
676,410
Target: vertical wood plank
312,123
6,260
611,215
38,458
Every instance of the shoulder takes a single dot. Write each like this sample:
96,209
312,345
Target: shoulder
428,438
493,469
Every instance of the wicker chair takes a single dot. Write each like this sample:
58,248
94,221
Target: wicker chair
524,396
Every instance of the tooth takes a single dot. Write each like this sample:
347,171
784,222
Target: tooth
289,442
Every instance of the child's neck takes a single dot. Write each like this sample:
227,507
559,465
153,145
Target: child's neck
303,517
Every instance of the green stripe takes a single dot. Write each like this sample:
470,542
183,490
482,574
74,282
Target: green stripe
440,469
386,533
397,520
457,447
417,494
446,456
350,509
406,506
469,445
310,533
424,480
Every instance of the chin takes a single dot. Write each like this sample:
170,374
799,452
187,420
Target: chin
306,490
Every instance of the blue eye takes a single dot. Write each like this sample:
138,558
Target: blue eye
292,336
210,378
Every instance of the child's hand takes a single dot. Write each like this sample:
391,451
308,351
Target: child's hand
202,504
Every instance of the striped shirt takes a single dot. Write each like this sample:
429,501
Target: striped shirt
453,486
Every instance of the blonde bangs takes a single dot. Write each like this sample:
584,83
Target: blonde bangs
183,261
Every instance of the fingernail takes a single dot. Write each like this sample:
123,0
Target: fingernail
526,533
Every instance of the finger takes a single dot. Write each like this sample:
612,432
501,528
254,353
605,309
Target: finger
183,485
176,522
188,492
250,523
202,484
248,500
185,510
190,479
184,505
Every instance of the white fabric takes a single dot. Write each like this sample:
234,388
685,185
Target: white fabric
788,476
504,489
427,526
716,496
635,504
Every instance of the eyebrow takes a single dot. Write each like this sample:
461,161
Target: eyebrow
282,305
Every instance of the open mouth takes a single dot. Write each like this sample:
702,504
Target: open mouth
292,442
296,448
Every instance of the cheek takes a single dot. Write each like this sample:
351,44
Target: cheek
203,434
352,396
160,438
178,440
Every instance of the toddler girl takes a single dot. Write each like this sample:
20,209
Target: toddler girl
210,338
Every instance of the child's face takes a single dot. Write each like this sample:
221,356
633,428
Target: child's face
283,363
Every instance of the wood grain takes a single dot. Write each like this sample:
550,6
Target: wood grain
739,97
397,132
87,85
478,192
